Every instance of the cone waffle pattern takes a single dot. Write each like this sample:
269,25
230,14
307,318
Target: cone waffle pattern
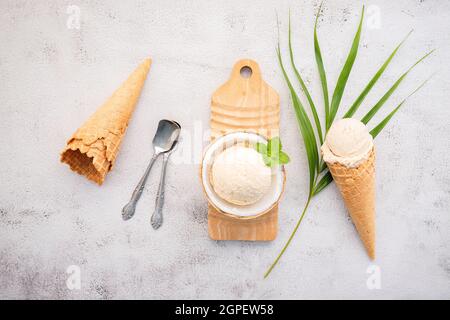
357,186
93,148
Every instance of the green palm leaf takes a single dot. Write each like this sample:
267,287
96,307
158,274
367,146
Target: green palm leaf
304,88
391,90
321,68
375,131
345,73
306,128
351,111
323,183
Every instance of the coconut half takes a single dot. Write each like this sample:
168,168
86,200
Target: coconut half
264,203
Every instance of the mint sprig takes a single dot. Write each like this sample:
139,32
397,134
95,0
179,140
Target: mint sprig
272,153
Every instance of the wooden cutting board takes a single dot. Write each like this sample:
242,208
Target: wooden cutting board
244,104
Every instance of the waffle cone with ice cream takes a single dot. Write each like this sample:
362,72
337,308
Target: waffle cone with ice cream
93,148
350,156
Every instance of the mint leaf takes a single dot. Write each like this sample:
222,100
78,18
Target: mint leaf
261,148
274,146
284,158
267,161
272,153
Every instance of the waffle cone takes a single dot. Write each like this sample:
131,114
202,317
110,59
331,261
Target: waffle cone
357,186
93,148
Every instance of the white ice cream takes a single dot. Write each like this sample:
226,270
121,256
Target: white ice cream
348,142
239,175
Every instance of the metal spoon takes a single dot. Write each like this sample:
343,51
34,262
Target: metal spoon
165,136
157,217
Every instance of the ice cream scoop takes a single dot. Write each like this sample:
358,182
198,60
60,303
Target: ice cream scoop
348,142
239,175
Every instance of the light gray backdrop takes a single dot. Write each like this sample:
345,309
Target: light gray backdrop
53,75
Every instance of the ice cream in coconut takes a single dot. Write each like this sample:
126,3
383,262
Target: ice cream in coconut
349,153
240,176
235,178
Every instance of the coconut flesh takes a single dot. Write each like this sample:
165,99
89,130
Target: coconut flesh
239,175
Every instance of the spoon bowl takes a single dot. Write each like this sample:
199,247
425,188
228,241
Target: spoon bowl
166,135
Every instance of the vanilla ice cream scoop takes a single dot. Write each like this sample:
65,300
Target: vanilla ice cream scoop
239,175
348,142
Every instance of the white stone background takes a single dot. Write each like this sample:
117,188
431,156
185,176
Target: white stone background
53,77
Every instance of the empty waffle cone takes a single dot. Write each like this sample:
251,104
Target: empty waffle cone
93,148
357,186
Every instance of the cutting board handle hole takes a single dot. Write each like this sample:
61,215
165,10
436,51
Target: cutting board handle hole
246,72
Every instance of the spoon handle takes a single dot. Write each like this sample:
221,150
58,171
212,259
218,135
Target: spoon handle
130,207
157,217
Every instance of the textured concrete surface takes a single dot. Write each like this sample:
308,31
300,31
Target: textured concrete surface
54,75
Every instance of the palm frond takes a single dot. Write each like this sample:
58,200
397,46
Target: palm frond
323,182
351,111
304,88
306,128
375,131
373,111
322,73
345,73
